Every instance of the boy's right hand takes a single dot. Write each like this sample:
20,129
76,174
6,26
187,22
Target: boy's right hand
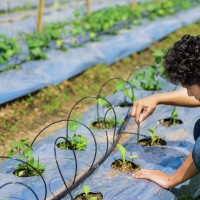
143,108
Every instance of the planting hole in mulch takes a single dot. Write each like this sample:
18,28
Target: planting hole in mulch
25,172
148,142
168,122
77,142
128,167
101,125
99,196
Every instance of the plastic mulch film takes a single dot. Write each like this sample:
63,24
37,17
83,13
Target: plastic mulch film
113,185
60,66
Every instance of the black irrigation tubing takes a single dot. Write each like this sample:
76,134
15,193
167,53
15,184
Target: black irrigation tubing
116,78
19,183
95,142
62,120
45,186
133,133
125,81
89,172
94,97
58,166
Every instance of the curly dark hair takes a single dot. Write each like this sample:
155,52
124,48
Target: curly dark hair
182,61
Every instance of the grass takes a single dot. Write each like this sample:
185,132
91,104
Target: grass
26,116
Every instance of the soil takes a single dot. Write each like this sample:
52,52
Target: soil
101,125
128,167
99,196
69,147
147,142
26,116
168,122
27,173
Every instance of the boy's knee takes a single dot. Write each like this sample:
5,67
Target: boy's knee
196,154
196,132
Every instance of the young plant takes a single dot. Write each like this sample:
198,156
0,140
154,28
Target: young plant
148,80
22,169
103,103
8,49
86,190
174,116
123,153
76,142
154,138
158,56
128,92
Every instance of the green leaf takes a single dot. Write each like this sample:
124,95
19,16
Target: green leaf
73,126
93,198
122,150
9,52
101,102
14,145
128,92
140,76
158,53
27,152
59,43
134,84
119,86
30,160
86,189
24,139
10,153
21,173
133,156
174,113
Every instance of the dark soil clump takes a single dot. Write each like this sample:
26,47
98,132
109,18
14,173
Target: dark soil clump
128,167
147,142
101,125
168,122
26,172
99,196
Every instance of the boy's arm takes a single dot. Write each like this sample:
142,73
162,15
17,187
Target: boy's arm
147,105
186,171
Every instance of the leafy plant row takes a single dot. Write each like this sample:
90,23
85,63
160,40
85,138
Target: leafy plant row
89,27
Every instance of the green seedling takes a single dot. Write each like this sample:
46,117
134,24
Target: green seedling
147,79
154,138
8,48
102,102
86,190
128,92
158,56
174,116
77,142
24,170
123,153
109,123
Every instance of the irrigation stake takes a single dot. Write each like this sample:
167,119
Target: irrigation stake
39,15
88,6
138,132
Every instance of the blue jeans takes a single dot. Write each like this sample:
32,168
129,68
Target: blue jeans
196,148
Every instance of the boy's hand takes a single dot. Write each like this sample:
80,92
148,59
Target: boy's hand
143,108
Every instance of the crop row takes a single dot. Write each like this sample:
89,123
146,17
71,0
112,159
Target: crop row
63,35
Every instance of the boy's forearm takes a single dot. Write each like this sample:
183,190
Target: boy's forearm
186,171
177,98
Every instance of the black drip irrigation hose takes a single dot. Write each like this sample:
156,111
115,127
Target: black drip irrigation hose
94,167
25,185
